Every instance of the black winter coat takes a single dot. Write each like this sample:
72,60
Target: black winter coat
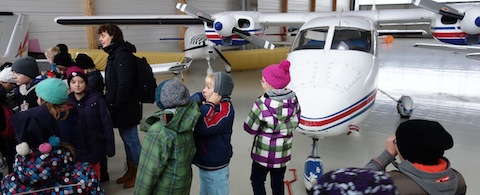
120,83
93,131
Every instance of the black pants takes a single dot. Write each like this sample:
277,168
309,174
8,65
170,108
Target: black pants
259,175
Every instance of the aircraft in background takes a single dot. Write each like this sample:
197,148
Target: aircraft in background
13,36
334,62
456,27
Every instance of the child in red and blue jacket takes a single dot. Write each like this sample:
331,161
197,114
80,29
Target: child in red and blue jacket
213,133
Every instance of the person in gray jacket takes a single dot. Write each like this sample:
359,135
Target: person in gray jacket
420,145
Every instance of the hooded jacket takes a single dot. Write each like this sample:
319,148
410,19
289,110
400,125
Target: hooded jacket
410,180
50,173
167,151
34,126
272,120
120,83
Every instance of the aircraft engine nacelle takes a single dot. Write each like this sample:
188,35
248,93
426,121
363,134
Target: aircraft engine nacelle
471,21
224,25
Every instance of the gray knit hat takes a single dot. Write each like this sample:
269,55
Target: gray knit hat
27,66
223,84
171,93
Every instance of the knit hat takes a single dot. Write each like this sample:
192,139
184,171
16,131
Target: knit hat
27,66
277,75
63,48
6,75
76,71
52,90
422,141
84,61
355,181
63,59
223,83
171,93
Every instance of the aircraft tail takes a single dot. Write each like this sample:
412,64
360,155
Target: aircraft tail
13,36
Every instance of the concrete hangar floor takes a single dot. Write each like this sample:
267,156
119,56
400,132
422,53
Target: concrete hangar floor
444,86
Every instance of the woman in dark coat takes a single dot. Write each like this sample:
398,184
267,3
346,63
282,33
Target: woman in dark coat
121,95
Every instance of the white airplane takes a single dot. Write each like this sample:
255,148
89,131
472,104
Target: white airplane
334,62
13,36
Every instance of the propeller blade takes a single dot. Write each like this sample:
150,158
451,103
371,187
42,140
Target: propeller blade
254,39
439,8
196,47
192,11
223,57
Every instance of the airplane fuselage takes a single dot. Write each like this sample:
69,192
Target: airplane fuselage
246,21
334,74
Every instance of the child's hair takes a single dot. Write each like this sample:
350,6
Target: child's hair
51,52
59,112
210,79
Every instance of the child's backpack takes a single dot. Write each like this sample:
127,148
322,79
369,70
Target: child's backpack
8,131
146,82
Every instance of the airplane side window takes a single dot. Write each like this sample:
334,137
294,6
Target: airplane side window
352,39
243,23
448,20
311,39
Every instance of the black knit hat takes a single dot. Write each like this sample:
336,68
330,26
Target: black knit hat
422,141
84,61
27,66
63,59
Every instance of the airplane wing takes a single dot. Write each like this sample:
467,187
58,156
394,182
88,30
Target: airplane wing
129,20
473,52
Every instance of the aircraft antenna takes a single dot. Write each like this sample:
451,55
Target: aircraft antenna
374,7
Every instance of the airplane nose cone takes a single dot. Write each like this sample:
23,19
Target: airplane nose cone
218,26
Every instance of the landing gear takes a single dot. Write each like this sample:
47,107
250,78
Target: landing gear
404,105
313,168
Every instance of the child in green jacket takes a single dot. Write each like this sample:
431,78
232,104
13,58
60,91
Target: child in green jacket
168,147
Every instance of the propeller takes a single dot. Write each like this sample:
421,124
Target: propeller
225,25
469,20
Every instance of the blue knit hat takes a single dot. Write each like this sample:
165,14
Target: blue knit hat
170,94
52,90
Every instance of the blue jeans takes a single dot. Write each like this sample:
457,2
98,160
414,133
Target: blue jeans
215,182
259,175
132,143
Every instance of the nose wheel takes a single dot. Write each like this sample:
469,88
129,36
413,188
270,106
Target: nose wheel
313,168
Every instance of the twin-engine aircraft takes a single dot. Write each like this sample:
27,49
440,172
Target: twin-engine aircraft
334,62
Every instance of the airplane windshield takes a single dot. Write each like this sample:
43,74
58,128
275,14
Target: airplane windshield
313,38
352,39
343,39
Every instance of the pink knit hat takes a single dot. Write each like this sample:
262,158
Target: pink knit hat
277,75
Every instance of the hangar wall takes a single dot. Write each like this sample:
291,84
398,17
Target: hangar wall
146,38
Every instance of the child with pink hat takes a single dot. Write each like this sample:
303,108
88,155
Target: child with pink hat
272,120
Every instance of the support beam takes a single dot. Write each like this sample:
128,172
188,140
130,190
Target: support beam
284,6
91,30
181,29
313,5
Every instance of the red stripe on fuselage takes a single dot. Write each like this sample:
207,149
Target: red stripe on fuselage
449,35
338,117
